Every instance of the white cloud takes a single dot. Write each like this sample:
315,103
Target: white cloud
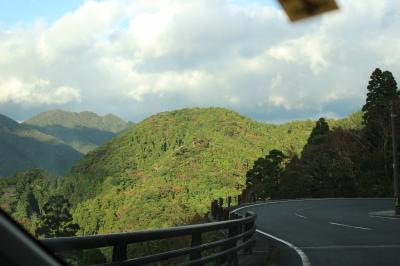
312,50
36,92
134,58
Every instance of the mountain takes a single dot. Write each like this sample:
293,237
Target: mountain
83,131
22,147
166,170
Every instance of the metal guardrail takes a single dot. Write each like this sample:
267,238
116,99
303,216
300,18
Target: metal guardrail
240,237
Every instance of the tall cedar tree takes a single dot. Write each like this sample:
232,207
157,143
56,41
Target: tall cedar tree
382,89
320,129
57,219
264,178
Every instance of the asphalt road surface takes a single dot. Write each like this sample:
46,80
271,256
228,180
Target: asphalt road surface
333,231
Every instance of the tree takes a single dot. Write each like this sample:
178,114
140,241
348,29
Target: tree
327,168
27,206
321,128
382,89
56,219
264,178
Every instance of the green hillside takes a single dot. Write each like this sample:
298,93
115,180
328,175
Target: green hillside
167,169
83,131
22,147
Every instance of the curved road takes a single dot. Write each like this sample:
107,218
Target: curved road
333,231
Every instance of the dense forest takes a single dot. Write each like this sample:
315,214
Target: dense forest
165,170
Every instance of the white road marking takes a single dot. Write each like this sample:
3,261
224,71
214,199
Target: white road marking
351,226
307,208
384,217
307,199
247,206
299,215
302,255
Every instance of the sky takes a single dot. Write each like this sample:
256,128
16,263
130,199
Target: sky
138,58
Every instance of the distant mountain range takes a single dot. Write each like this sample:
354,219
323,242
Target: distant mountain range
22,147
82,131
53,140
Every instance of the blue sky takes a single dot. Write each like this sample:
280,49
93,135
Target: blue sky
137,58
26,11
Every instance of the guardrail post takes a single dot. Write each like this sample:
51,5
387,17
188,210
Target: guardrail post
239,201
196,241
229,201
119,253
225,214
221,202
233,231
214,208
248,227
220,213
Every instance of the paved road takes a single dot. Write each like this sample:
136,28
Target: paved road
334,231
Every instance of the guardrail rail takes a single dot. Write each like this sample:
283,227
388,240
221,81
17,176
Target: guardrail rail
240,231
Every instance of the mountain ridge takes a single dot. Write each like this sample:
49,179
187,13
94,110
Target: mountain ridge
83,131
53,140
22,147
165,170
108,122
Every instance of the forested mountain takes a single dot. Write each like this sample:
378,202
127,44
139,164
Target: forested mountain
83,131
22,147
167,169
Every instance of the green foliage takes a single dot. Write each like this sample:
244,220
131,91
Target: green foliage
382,90
56,219
327,168
166,170
330,165
24,195
334,166
353,122
320,129
264,177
